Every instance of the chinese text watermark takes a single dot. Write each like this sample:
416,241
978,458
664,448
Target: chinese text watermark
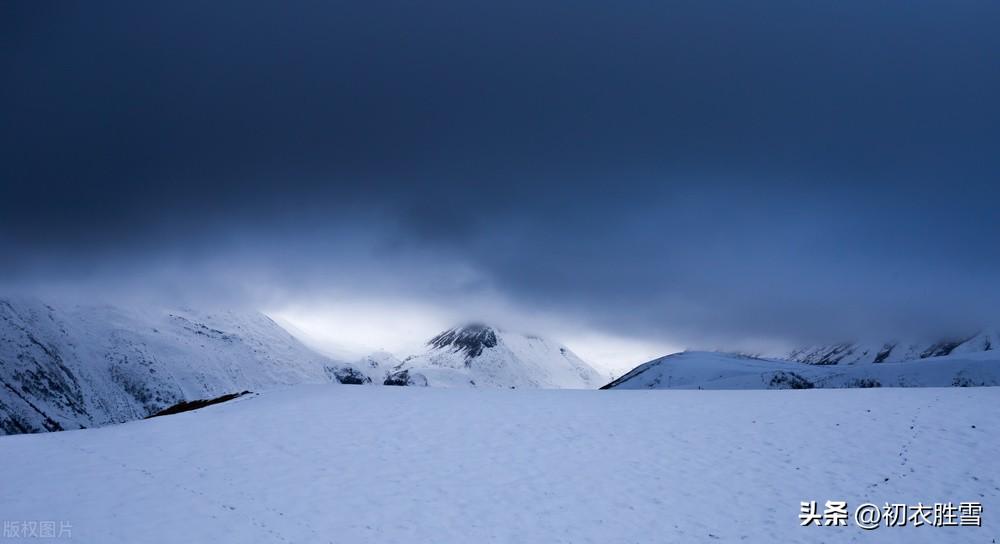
37,529
871,516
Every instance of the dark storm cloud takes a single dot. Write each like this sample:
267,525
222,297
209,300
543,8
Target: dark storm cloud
707,170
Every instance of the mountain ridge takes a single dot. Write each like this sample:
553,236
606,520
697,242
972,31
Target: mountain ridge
717,370
849,353
76,366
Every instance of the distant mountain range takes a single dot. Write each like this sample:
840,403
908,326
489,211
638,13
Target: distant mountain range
894,351
75,366
832,366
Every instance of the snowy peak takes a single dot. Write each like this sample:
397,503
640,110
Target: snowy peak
378,361
470,340
373,368
479,355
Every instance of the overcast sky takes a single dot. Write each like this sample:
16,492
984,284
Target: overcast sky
630,177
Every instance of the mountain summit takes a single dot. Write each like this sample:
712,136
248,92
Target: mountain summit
480,355
471,340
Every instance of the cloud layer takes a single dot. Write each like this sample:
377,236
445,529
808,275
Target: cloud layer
703,174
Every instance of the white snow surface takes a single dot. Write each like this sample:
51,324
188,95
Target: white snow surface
517,360
338,464
710,370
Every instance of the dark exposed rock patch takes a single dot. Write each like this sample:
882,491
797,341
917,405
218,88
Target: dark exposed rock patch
404,378
347,375
885,353
942,348
864,383
187,406
471,340
789,380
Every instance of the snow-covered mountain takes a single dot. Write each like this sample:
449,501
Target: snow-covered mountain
484,356
377,365
709,370
850,353
73,366
372,369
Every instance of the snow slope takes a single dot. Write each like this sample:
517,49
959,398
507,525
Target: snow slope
72,366
708,370
318,464
851,353
483,356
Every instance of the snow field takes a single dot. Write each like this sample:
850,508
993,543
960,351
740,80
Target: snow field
364,464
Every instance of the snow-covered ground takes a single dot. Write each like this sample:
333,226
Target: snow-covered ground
340,464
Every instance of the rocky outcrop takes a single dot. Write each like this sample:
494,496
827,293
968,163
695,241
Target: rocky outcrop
348,375
405,378
469,340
